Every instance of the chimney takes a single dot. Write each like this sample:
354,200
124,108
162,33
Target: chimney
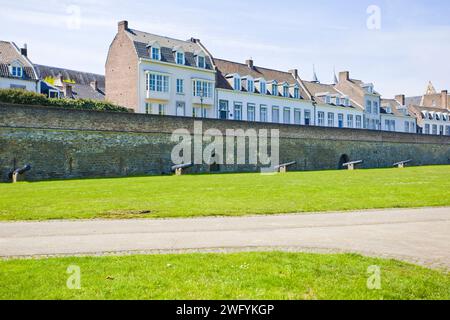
344,76
24,50
444,99
67,90
401,99
249,63
294,73
94,85
123,25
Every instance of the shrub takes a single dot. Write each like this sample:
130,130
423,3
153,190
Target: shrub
18,96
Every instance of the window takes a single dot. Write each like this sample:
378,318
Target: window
180,58
17,71
358,122
287,115
237,111
250,85
447,130
262,87
441,130
406,126
297,116
387,125
427,129
307,117
180,86
375,107
286,91
274,89
369,107
275,115
201,62
250,112
156,53
347,102
263,113
202,88
340,120
393,124
180,109
148,108
296,93
321,118
330,119
157,82
197,112
161,109
328,100
435,129
223,109
349,121
237,83
338,101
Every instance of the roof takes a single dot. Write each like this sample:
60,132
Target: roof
316,88
82,88
413,100
191,48
394,106
10,53
226,67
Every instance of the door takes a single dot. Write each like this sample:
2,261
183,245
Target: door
181,106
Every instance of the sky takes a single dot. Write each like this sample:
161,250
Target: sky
399,45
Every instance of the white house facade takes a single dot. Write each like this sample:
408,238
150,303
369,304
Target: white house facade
16,70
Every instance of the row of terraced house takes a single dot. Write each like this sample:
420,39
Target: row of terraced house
154,74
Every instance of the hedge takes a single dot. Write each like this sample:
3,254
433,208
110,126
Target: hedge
18,96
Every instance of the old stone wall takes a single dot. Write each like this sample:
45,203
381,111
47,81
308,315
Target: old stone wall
61,143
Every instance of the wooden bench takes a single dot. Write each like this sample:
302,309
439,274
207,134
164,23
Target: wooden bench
351,165
179,169
401,164
282,168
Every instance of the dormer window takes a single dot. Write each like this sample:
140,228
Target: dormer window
274,89
16,70
285,91
155,53
328,100
180,57
237,83
262,86
250,85
201,61
338,101
346,102
296,93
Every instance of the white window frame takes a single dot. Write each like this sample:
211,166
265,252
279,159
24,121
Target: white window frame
183,58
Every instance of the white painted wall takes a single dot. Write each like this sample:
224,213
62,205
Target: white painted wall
5,83
437,123
400,125
176,72
345,111
260,100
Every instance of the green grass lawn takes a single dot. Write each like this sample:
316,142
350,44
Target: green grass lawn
263,276
226,194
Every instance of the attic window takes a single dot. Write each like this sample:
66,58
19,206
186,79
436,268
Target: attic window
155,53
274,89
180,57
286,91
296,93
328,100
201,62
17,71
338,101
250,85
262,87
237,83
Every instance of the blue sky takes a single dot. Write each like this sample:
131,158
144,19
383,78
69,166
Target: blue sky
411,47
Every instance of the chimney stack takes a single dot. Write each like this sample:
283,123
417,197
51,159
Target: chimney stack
344,76
67,90
249,63
123,26
24,50
294,73
94,85
444,99
401,99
